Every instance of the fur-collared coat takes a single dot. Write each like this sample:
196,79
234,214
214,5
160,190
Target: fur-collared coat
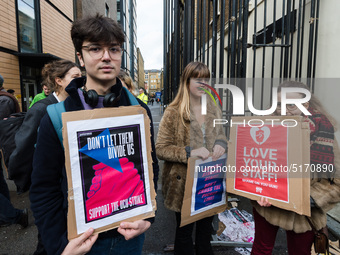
173,136
325,194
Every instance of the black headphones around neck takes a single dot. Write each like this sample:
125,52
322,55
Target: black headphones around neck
110,100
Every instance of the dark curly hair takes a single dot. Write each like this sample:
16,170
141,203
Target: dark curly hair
96,29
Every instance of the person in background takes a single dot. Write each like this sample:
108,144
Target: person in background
8,214
324,189
98,41
127,81
8,103
56,75
184,132
46,91
142,96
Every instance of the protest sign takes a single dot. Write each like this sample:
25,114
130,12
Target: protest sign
109,168
269,157
205,190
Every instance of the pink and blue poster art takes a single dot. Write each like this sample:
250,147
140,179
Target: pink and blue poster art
110,170
209,189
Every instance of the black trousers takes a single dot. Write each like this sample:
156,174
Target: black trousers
183,240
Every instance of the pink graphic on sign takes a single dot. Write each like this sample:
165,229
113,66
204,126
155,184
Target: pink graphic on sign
112,171
261,161
112,190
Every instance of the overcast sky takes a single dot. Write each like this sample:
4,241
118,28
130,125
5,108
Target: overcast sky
150,32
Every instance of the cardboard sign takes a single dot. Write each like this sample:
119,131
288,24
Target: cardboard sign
269,157
205,190
252,150
109,168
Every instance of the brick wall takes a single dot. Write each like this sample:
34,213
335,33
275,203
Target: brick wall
55,31
9,69
206,23
8,29
66,6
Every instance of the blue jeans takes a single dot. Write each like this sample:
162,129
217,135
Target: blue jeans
118,246
8,214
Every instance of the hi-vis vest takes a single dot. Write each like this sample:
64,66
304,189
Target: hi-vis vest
143,97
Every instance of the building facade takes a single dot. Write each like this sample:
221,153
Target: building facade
153,79
258,44
33,32
141,76
127,17
107,8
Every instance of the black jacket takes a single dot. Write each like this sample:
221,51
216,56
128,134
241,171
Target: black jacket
20,162
48,193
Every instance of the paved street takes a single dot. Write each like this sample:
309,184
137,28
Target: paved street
15,241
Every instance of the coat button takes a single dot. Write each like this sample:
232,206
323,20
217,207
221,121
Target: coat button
178,177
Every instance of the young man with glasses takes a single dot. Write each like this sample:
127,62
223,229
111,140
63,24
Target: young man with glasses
98,41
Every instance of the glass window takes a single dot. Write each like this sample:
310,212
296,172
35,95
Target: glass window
123,5
124,60
123,23
27,26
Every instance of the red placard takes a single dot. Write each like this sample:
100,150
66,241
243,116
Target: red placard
261,161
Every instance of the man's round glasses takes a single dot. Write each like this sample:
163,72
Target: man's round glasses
97,52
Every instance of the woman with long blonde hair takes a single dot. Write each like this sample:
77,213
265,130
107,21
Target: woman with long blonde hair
185,132
56,75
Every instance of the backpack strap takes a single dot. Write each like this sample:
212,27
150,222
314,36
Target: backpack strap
133,100
55,111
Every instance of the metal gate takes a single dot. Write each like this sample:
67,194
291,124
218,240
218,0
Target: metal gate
240,39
